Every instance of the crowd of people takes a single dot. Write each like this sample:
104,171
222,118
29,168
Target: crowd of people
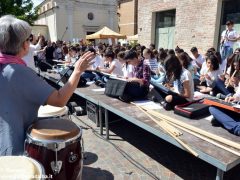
214,73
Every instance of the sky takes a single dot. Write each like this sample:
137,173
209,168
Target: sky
37,2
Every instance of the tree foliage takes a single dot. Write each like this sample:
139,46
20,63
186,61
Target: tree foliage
22,9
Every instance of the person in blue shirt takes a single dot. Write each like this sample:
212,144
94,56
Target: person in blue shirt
21,90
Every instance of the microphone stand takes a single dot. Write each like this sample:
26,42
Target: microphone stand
64,33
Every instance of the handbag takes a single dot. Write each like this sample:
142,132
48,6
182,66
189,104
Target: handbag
192,110
115,87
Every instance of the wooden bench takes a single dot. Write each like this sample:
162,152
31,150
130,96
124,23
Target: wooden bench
220,158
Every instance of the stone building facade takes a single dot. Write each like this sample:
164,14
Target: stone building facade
70,20
127,12
187,23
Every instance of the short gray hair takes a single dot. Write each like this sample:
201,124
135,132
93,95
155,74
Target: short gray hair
13,33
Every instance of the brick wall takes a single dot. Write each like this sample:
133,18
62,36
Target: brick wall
197,22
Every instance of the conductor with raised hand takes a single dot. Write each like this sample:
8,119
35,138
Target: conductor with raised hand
22,91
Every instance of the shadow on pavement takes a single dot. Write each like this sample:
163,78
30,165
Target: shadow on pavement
90,173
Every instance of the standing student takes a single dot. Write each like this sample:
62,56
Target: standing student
228,38
34,46
49,51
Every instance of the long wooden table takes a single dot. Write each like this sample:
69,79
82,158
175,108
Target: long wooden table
221,159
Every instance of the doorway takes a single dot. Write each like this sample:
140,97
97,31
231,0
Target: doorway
165,29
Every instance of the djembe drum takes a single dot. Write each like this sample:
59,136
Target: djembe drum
56,143
49,111
20,168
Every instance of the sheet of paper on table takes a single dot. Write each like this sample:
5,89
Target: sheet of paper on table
99,90
90,82
148,104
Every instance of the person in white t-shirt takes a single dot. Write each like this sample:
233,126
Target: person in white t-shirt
228,38
29,58
115,67
127,69
183,83
72,56
209,74
198,59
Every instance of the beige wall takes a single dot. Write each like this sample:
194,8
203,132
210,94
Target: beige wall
48,19
42,29
127,15
197,21
74,16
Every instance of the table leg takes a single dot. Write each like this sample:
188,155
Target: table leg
106,124
219,175
100,120
98,117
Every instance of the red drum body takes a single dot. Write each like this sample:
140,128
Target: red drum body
56,144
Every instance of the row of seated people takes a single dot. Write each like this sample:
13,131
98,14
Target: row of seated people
176,70
179,73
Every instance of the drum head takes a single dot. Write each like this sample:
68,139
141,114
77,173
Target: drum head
19,167
52,111
54,129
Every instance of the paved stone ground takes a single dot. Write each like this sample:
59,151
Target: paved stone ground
134,154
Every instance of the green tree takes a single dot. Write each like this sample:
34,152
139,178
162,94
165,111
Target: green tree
22,9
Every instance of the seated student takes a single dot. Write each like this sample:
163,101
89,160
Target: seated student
98,63
115,67
156,54
209,74
232,78
222,62
178,51
150,60
72,56
198,58
127,69
208,53
229,119
139,86
186,63
98,60
182,83
160,73
58,51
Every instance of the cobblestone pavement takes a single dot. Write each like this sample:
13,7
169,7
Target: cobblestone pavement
134,154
